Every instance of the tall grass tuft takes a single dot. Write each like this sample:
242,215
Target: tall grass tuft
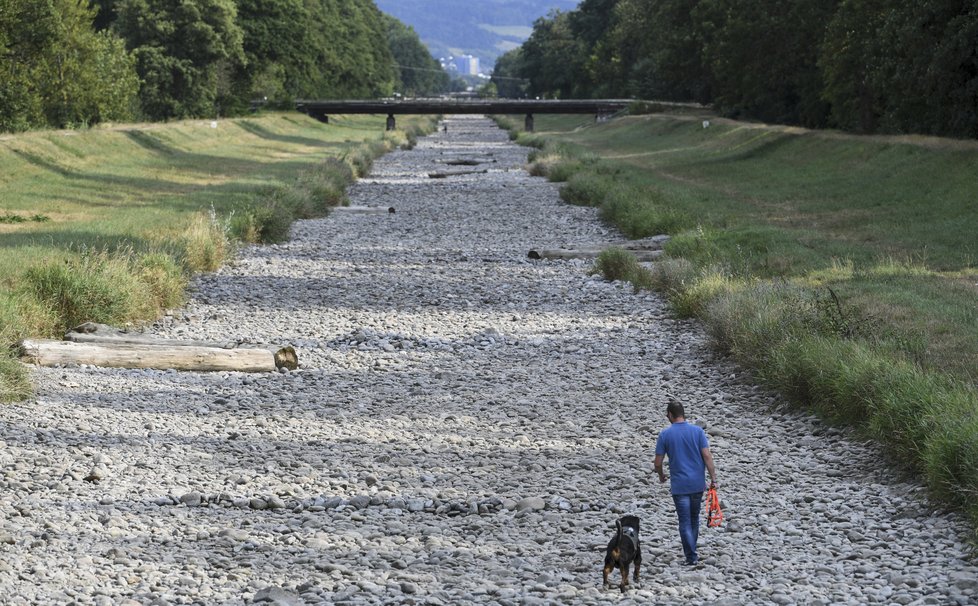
587,188
15,384
92,287
617,264
642,213
205,244
164,277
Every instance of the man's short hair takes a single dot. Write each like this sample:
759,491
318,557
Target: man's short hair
675,409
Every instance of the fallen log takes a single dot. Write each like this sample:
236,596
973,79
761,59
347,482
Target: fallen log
90,332
588,253
363,210
456,173
161,357
469,161
651,243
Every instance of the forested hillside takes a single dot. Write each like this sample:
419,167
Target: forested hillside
859,65
485,29
70,62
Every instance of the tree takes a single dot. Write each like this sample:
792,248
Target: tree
763,58
279,54
849,58
184,50
669,65
56,70
506,75
591,24
551,57
927,76
105,14
350,50
419,73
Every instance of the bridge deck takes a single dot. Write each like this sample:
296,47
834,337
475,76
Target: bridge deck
474,106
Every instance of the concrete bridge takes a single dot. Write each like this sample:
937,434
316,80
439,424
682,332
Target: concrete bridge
321,110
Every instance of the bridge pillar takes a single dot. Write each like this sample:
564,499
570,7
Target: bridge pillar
391,123
528,123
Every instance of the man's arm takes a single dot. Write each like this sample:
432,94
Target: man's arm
658,468
708,459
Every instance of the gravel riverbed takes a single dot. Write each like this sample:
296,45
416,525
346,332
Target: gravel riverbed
465,426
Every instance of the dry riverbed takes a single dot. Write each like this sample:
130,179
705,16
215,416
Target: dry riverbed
465,427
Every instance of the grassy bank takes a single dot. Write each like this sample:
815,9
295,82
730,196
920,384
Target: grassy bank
841,269
108,224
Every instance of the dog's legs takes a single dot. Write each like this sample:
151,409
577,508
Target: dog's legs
624,576
608,567
638,563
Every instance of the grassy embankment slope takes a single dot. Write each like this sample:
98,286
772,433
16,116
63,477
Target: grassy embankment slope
108,224
840,269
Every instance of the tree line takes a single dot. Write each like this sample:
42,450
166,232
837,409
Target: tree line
868,66
79,62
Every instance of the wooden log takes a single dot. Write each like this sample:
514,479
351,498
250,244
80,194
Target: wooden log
653,243
588,253
363,210
162,357
109,336
456,173
469,161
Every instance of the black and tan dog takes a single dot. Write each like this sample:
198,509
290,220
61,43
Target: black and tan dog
623,550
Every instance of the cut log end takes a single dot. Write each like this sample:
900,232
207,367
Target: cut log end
287,358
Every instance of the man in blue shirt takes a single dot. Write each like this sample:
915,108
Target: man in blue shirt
689,457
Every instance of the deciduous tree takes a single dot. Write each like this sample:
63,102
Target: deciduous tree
184,50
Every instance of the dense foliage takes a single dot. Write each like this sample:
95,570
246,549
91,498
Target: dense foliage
56,70
862,65
74,62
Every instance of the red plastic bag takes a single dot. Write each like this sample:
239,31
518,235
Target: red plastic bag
714,515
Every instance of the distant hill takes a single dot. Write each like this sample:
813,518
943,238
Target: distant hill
482,28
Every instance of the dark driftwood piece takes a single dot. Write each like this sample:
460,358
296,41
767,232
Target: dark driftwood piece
457,173
469,161
647,249
364,210
588,253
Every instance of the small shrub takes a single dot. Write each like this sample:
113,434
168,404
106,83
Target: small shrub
641,213
530,140
15,384
265,224
586,189
22,315
692,300
361,157
564,170
542,163
205,244
325,186
164,277
617,264
398,139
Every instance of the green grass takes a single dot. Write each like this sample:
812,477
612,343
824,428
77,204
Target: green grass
108,224
840,269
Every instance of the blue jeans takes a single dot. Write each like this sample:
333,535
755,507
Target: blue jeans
688,510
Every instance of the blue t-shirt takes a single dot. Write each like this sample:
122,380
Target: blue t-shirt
682,444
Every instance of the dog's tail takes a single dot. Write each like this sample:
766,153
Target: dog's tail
619,533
